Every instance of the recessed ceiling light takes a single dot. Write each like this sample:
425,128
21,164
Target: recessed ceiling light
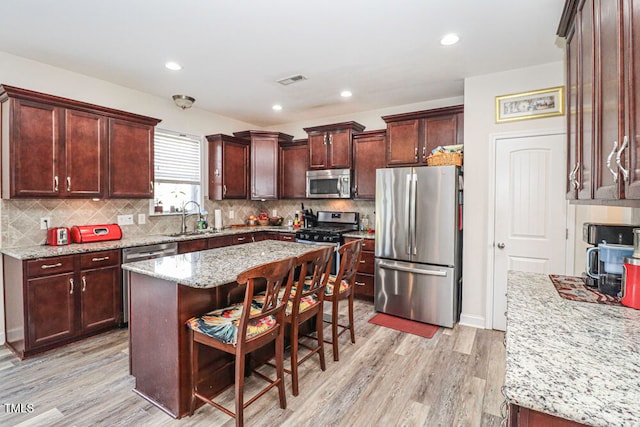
346,94
277,107
449,39
174,66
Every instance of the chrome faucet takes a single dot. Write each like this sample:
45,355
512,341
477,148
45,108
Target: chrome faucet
183,227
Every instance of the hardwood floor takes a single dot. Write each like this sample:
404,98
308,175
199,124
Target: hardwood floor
386,378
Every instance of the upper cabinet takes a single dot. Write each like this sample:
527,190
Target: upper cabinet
368,155
294,162
228,167
264,161
602,95
57,147
412,136
330,145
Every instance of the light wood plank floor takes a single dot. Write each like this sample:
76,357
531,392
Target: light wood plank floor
387,378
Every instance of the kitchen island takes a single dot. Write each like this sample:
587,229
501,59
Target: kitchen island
165,293
573,360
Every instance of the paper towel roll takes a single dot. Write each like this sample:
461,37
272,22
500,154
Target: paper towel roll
217,219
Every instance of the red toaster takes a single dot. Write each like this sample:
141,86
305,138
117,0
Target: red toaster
95,233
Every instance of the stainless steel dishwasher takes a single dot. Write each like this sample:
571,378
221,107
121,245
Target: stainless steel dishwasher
141,253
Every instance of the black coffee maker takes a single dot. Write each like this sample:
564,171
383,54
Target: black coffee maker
596,234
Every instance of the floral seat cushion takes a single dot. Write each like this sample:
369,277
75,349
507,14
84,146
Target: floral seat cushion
222,324
331,283
306,302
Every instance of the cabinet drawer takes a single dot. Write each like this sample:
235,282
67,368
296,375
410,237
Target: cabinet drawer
49,266
367,244
99,259
192,246
366,263
239,239
364,285
287,237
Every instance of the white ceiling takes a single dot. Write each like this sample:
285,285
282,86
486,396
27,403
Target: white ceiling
386,52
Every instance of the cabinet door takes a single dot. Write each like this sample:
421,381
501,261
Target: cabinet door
632,68
264,168
586,100
235,170
339,146
403,139
101,298
219,242
34,149
573,150
368,155
239,239
438,131
318,151
192,246
293,169
50,304
130,159
84,154
609,136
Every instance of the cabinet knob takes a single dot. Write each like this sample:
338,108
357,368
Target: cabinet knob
501,245
609,157
625,173
224,190
360,283
71,286
55,183
84,283
151,186
68,183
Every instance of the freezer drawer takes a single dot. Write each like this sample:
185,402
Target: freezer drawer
420,292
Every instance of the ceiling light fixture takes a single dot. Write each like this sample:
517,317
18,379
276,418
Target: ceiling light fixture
277,107
173,66
183,101
449,39
346,94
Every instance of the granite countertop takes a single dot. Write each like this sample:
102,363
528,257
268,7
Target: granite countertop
361,235
215,267
44,251
575,360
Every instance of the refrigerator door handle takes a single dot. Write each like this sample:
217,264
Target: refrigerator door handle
407,208
414,270
414,196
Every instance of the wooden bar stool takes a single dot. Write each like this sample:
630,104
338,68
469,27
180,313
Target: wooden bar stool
242,328
306,302
340,287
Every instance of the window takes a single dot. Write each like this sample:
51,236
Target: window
177,163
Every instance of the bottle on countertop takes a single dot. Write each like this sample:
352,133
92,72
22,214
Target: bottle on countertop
364,226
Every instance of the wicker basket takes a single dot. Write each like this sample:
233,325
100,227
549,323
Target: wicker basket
445,159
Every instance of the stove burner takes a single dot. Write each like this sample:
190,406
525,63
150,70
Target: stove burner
328,231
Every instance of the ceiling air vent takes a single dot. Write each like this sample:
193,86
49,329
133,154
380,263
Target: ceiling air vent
291,79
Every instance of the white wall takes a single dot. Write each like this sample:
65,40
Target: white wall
479,126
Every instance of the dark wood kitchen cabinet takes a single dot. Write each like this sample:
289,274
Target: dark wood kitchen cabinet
130,159
57,300
58,147
525,417
330,145
366,270
603,74
293,165
228,167
412,136
368,155
264,161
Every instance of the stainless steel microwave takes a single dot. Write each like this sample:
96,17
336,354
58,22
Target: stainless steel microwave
329,184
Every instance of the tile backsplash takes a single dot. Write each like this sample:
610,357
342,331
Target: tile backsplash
20,219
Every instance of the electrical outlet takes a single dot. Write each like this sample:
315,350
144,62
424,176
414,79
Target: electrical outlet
125,219
274,212
232,215
142,219
45,222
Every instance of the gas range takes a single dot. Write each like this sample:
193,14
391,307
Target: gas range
331,226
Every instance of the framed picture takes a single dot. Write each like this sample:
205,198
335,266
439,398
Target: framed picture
530,105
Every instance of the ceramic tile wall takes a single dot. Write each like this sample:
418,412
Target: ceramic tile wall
20,219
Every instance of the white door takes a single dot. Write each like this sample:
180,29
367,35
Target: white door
530,211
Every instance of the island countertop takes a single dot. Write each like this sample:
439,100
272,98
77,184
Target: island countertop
575,360
216,267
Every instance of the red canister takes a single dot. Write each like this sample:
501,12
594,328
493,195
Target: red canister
631,283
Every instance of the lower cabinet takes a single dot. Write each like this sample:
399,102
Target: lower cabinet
519,416
366,271
53,301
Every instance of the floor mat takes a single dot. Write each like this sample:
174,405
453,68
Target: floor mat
399,324
573,288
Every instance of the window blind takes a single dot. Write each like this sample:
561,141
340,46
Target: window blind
176,157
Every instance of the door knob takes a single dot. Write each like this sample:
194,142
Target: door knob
500,245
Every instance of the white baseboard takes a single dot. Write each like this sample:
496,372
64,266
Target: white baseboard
472,320
2,338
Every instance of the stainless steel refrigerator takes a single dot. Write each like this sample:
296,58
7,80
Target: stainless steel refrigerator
418,244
